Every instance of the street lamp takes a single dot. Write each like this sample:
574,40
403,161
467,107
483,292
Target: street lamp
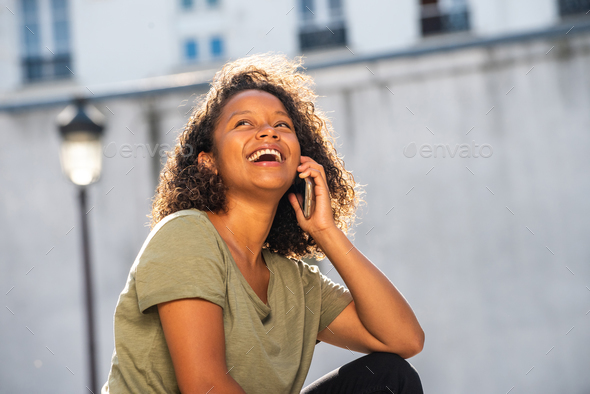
81,127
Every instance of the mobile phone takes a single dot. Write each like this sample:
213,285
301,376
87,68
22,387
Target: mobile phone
303,189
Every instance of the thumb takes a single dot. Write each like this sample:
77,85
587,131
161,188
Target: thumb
295,204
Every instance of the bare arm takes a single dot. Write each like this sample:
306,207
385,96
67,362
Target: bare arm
379,319
193,328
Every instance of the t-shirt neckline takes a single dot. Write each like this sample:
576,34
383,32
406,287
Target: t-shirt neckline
262,308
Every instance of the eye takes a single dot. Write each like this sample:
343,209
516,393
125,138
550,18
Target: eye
243,122
284,124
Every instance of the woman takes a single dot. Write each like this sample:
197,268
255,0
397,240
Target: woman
218,300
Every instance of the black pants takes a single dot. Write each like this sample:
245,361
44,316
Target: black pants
374,373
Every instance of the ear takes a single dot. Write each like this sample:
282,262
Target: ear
206,159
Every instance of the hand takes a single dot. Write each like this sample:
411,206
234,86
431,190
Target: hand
321,218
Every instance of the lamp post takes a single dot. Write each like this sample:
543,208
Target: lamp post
81,127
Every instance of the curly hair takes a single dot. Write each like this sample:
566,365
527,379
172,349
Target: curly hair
186,184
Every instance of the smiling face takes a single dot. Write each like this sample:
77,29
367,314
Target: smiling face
257,148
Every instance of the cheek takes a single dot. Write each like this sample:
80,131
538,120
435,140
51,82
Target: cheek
229,152
295,145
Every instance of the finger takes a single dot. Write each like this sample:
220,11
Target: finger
295,204
307,165
314,172
316,175
307,162
318,180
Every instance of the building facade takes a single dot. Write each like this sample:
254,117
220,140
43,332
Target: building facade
54,45
467,122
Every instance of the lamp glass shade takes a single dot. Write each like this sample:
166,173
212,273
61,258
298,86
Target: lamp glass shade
81,157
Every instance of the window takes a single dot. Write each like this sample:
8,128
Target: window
321,25
216,47
443,16
572,7
45,58
306,10
186,4
61,38
191,50
32,46
318,38
336,10
213,3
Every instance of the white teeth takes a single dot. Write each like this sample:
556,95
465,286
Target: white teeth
254,156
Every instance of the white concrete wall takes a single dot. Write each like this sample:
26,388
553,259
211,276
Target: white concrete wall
119,40
38,210
378,26
505,16
491,296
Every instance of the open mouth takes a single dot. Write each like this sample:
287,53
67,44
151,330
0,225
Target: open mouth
266,155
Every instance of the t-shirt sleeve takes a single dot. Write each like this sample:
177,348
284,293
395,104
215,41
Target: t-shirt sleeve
181,260
335,297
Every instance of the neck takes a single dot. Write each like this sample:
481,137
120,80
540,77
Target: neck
245,226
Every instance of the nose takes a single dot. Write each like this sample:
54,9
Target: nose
268,131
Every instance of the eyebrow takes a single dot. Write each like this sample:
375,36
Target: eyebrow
249,112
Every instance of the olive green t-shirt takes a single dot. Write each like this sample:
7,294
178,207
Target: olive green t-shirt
269,347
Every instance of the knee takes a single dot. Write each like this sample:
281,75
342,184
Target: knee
397,368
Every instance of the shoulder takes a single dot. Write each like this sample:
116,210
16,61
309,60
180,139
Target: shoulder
305,268
185,216
184,224
182,258
182,232
309,274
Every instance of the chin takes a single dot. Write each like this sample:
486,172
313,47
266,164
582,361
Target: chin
274,183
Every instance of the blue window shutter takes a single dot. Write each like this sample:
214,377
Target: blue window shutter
191,51
216,46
